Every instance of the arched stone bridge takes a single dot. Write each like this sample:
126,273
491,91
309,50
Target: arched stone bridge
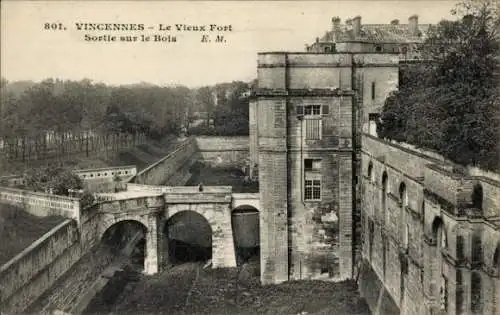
153,206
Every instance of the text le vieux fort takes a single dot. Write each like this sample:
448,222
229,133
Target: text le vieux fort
131,37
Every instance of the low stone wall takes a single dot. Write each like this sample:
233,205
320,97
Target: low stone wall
29,274
41,204
102,179
162,171
223,151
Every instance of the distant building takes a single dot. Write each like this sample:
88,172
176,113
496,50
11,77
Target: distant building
353,36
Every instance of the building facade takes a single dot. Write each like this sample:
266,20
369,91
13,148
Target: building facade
334,197
304,122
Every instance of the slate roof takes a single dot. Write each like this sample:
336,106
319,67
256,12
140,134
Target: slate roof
378,33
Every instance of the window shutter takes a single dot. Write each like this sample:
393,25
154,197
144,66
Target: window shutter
326,109
300,110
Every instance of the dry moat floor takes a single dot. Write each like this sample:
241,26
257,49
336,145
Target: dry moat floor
190,289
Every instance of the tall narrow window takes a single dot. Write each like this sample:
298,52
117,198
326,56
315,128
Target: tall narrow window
372,123
475,294
373,90
384,195
477,250
371,227
406,236
312,179
444,294
384,254
477,197
370,171
313,121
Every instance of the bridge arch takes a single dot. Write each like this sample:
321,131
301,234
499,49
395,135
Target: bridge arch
109,222
127,236
218,218
189,235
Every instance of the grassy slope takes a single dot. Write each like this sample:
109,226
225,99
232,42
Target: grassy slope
18,229
141,156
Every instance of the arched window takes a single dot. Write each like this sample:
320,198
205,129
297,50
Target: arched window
370,171
477,197
475,293
439,233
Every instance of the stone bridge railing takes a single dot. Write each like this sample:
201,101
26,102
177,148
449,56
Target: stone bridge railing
41,204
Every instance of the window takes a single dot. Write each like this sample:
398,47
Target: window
371,227
312,165
313,122
312,110
475,294
372,123
444,294
406,239
384,195
373,90
370,171
313,189
477,250
477,197
312,179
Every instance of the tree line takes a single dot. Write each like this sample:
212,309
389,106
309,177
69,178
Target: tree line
56,117
451,103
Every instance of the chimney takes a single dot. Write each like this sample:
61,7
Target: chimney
395,22
356,24
336,28
413,24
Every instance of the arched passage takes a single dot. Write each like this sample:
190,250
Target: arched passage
246,232
189,237
127,238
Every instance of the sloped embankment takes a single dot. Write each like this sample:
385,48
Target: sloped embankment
18,229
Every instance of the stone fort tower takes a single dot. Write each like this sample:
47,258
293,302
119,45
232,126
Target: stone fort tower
305,120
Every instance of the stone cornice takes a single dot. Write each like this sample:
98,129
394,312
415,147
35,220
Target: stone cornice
302,92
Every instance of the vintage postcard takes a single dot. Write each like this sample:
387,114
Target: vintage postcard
250,157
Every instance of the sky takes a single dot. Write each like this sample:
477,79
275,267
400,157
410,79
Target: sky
30,52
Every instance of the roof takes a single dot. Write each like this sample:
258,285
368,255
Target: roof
380,33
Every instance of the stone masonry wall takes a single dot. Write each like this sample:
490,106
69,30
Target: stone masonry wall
223,151
412,242
25,277
161,171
